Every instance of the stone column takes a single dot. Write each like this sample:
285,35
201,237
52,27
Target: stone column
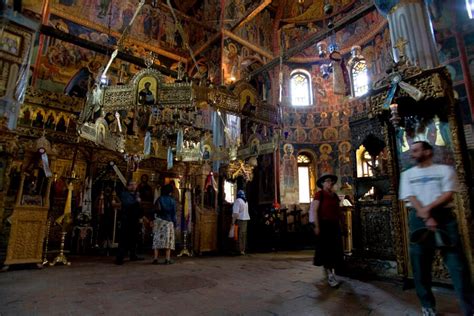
409,22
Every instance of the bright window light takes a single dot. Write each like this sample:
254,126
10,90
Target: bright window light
470,8
229,191
300,87
360,78
303,181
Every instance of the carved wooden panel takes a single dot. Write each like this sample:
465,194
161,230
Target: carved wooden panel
205,232
376,226
25,244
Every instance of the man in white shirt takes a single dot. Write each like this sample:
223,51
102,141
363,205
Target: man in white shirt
240,215
428,191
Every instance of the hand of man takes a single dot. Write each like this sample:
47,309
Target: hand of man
424,212
316,231
431,223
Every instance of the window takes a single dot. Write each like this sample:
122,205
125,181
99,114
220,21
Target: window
229,191
300,88
305,178
360,78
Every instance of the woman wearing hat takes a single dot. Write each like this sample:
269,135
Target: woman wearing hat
325,215
240,215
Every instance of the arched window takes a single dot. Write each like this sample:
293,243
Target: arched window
360,78
306,183
300,88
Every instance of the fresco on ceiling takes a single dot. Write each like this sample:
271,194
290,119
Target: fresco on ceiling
59,62
313,10
237,61
232,61
352,34
32,5
153,26
207,11
258,31
209,63
235,11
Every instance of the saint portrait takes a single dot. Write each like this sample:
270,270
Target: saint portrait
247,102
10,43
147,91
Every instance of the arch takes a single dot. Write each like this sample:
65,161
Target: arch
301,93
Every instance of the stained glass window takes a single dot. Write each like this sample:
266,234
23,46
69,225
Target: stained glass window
303,159
300,87
360,78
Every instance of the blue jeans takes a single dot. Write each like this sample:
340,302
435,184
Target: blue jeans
422,255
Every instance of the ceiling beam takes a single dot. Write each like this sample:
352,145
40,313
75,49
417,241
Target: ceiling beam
251,14
355,14
99,48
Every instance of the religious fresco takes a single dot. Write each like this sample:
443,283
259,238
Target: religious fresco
238,61
231,60
209,62
289,175
327,134
235,11
258,31
353,34
313,10
154,27
32,5
436,132
58,61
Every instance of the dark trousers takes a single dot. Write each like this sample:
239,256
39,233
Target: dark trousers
128,237
422,255
242,235
329,251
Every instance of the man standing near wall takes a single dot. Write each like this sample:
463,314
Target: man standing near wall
428,191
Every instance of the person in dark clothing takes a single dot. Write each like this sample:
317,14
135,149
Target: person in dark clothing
164,224
325,215
129,223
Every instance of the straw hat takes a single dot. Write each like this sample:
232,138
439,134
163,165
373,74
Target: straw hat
323,178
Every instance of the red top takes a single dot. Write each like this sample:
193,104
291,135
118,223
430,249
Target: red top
329,209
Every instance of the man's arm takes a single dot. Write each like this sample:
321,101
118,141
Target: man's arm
425,212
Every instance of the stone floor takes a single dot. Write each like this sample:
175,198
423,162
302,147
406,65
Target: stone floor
257,284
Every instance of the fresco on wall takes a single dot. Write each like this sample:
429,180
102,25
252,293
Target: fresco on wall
325,133
289,176
436,132
378,54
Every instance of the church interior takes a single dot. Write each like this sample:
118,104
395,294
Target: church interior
216,96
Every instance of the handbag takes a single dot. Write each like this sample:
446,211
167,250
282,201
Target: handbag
236,232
